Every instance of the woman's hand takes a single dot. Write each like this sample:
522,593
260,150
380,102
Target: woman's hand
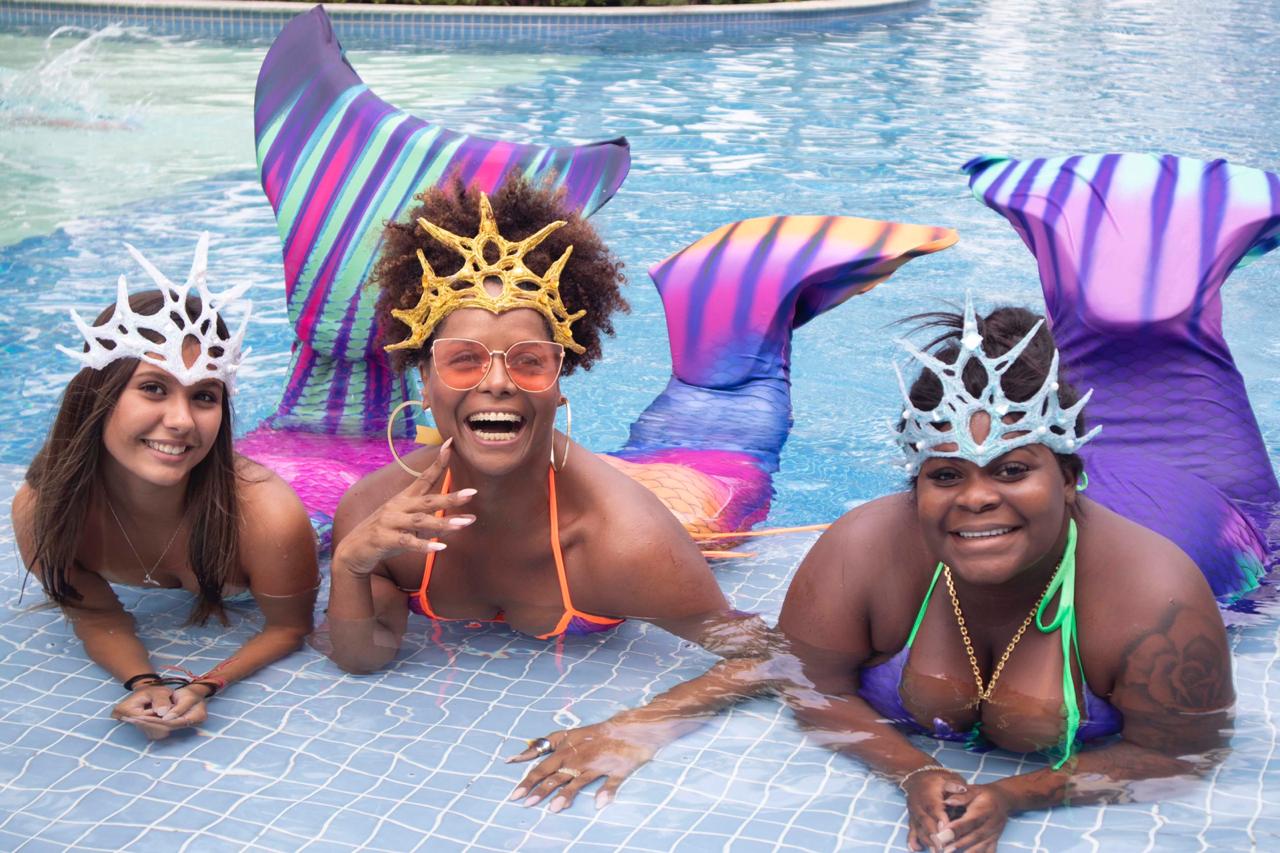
406,522
927,792
159,711
986,811
606,750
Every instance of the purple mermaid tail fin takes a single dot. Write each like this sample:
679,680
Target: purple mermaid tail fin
1133,250
732,300
336,162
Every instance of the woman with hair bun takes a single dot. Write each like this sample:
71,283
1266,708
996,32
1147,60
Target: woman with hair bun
992,602
138,484
1003,599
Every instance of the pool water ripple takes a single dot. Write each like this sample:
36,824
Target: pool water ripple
870,120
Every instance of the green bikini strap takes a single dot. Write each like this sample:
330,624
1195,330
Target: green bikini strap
924,605
1064,621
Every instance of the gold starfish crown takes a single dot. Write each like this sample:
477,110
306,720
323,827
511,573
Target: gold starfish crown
521,287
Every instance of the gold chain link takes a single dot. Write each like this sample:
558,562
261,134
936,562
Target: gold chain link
984,693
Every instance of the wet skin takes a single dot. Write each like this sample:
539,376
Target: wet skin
158,432
625,554
1151,640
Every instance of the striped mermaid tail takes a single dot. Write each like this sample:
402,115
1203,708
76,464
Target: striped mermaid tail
709,443
1133,250
336,162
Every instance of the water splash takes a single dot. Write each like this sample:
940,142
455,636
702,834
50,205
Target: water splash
59,91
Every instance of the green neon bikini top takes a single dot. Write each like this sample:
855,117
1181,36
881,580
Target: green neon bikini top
1063,585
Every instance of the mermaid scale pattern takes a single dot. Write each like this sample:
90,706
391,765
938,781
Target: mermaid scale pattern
732,300
336,161
1133,250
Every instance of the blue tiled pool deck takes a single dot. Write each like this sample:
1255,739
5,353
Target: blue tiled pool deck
870,121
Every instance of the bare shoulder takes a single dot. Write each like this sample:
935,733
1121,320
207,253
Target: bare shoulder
1121,563
861,545
1136,591
627,522
266,500
277,545
376,488
638,558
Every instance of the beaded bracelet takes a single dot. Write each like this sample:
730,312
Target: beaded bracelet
902,783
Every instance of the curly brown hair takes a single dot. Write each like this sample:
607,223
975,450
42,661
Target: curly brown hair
591,280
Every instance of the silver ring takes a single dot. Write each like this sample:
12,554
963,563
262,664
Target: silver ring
541,746
570,772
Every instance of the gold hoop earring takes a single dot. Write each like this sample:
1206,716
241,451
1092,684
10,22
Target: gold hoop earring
568,436
424,434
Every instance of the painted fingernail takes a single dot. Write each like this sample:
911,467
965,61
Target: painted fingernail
532,800
517,794
466,493
447,443
436,546
462,520
558,803
603,799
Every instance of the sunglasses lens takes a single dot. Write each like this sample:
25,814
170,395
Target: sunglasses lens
534,365
461,364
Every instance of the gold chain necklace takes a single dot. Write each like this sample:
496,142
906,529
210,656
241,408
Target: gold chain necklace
146,578
984,693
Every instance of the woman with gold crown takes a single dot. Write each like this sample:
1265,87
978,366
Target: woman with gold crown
137,484
507,520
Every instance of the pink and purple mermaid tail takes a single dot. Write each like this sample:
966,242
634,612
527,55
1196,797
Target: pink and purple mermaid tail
732,300
336,162
1133,250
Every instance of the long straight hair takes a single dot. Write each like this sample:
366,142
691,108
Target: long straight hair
67,472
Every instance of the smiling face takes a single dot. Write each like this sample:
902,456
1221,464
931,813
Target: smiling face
989,523
496,426
161,429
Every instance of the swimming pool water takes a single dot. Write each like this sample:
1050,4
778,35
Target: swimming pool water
119,135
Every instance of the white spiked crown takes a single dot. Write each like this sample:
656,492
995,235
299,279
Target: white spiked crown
219,356
1038,420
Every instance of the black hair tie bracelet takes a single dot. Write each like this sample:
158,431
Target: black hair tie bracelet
151,677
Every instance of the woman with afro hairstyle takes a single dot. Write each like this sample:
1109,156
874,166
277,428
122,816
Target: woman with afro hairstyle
508,519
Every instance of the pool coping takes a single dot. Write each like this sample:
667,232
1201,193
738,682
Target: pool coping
377,25
785,7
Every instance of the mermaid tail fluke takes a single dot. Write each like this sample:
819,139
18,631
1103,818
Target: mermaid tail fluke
732,300
1133,250
336,162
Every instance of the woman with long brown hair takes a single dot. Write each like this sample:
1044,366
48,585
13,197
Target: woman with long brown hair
138,484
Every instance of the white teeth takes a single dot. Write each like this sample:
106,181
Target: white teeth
495,416
492,436
984,534
170,449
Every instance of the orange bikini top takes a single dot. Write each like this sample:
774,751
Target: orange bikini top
572,621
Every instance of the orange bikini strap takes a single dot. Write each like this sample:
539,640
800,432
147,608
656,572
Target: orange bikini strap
567,616
431,556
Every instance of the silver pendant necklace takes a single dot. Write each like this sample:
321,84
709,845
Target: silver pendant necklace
146,578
